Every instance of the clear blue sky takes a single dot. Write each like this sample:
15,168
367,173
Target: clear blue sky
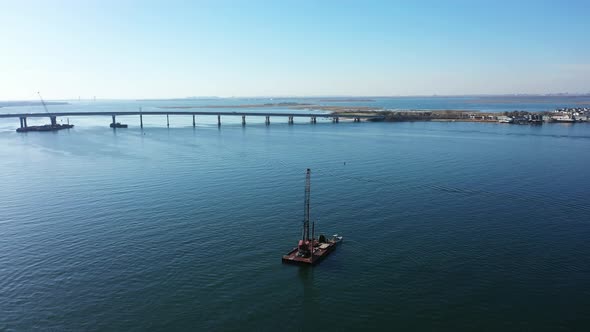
153,49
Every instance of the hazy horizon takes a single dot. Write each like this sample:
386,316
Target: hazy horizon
249,49
557,94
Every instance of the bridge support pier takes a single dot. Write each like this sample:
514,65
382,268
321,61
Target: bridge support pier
114,122
23,122
267,122
243,120
218,120
140,119
291,120
194,122
313,120
53,119
168,120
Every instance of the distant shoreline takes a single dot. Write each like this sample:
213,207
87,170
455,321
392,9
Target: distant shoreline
30,103
298,106
349,100
567,115
335,110
515,101
268,105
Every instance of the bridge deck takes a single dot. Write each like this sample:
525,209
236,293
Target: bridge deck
307,115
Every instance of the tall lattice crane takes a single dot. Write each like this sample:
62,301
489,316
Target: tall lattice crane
51,117
306,207
43,102
306,242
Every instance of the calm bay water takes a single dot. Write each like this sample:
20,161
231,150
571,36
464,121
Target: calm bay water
447,226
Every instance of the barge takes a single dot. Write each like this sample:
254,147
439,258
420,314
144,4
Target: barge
118,125
54,126
47,127
319,251
309,250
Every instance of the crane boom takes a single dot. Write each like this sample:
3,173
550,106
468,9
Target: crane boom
43,102
307,202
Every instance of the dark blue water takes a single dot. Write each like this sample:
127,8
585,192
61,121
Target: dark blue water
447,226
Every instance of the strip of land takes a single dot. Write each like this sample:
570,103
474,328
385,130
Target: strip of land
426,115
350,100
267,105
583,101
338,108
30,103
298,106
380,114
569,115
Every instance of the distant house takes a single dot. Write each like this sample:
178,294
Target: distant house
563,118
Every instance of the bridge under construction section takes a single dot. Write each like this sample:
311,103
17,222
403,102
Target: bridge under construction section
267,116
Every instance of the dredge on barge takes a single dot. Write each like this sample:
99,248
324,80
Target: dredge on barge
54,126
309,250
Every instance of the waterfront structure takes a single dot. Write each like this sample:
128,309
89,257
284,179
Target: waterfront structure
563,118
571,114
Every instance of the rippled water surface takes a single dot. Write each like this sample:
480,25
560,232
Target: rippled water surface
447,226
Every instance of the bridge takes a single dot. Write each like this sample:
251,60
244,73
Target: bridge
290,116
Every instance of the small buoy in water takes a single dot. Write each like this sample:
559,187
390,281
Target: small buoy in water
345,163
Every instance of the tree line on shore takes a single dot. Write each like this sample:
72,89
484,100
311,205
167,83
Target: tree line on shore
424,115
